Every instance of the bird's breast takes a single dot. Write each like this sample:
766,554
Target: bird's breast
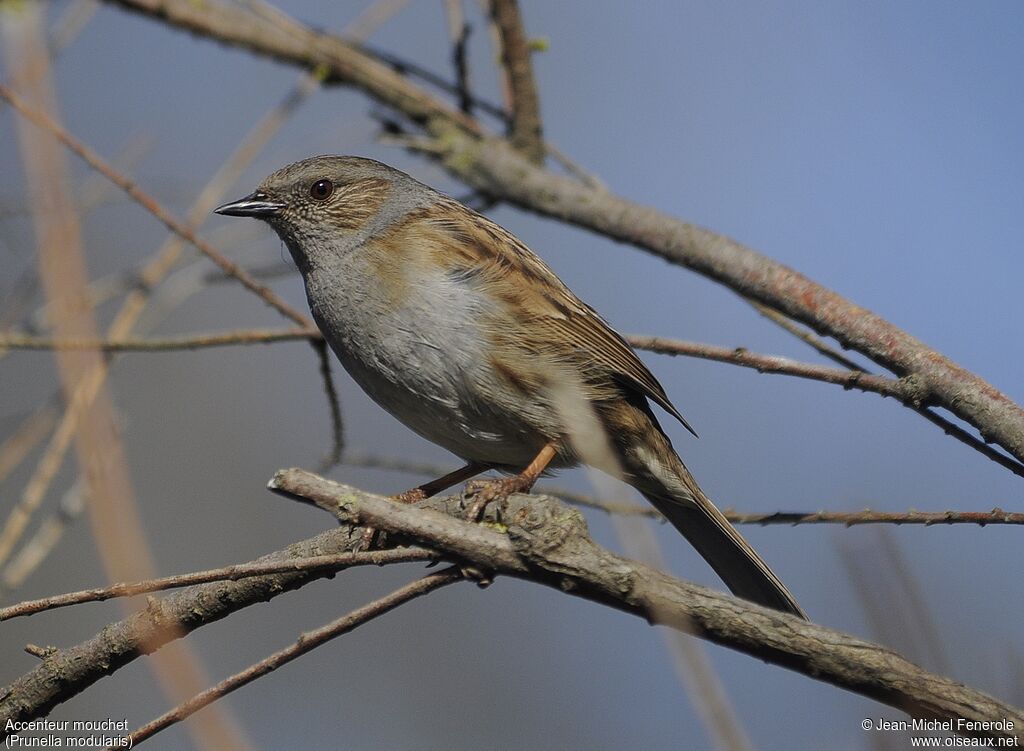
418,344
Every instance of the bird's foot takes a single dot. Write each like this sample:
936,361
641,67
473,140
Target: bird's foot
485,492
415,495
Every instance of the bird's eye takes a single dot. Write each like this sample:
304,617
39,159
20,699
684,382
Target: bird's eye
321,190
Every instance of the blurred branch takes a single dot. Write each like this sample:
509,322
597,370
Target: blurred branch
525,131
893,598
458,32
26,437
374,15
306,642
44,541
116,525
152,206
72,22
325,563
692,665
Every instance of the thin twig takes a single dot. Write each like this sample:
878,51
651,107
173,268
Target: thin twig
306,642
867,516
152,206
410,68
337,424
902,389
905,390
162,344
908,390
803,334
334,562
458,33
525,130
791,518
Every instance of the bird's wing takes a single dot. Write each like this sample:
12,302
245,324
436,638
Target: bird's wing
523,280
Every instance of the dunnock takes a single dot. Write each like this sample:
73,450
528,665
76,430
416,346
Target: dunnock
456,328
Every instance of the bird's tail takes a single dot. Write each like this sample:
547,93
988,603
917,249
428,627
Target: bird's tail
654,468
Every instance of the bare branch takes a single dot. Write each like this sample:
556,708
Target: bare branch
803,335
791,518
328,563
337,425
548,545
305,643
855,518
525,130
68,672
906,390
543,542
163,344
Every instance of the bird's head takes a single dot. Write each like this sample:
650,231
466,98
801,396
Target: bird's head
330,204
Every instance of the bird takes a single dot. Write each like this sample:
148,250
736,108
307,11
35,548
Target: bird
454,326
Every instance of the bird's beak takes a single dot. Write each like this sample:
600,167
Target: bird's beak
255,204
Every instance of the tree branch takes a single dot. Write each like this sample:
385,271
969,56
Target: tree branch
544,542
328,563
541,541
163,344
306,642
525,131
906,390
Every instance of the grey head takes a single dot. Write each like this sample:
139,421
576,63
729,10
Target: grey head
330,205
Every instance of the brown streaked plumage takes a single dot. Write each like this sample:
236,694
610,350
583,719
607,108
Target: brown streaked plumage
460,331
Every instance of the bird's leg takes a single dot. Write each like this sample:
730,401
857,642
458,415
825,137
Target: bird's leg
434,487
424,491
487,491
